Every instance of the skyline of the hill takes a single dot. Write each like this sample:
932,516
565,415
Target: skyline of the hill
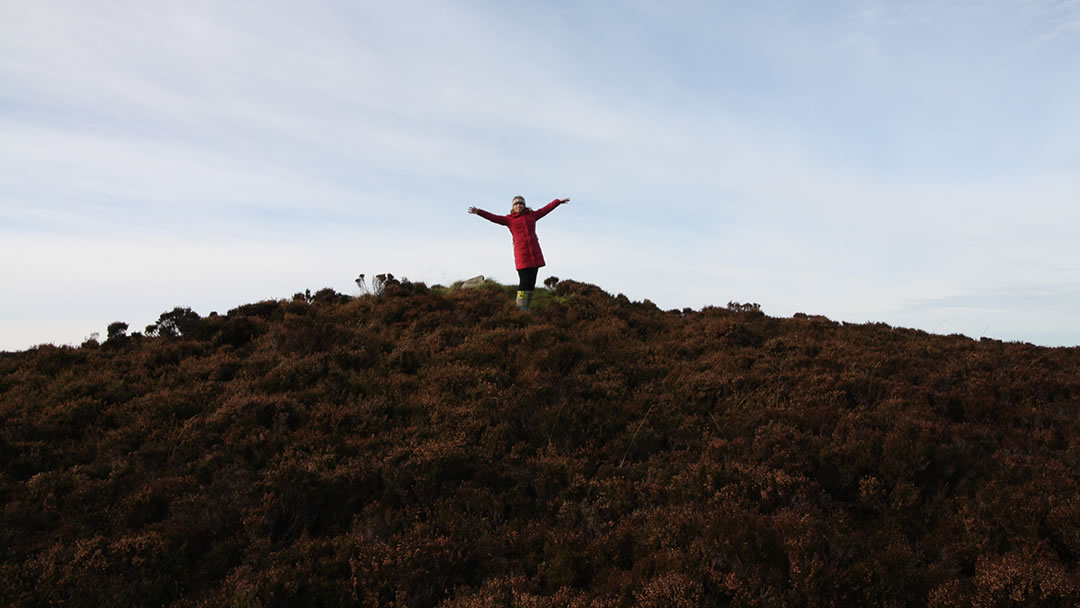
911,163
24,340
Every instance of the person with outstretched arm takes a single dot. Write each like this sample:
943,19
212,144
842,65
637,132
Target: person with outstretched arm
527,255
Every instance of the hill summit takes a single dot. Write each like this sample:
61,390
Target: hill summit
427,447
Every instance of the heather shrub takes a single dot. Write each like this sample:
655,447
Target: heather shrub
175,323
425,447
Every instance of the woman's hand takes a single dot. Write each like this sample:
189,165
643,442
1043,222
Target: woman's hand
563,201
472,210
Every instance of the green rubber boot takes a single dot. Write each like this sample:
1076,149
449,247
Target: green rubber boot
523,299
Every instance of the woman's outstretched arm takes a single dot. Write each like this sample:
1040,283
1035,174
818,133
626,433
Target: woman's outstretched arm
546,209
491,217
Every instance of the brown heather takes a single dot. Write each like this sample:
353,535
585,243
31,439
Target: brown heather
429,448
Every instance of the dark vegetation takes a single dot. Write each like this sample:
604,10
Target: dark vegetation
431,447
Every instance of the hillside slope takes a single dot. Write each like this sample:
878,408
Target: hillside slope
422,448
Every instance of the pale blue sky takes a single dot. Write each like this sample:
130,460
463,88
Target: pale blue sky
912,163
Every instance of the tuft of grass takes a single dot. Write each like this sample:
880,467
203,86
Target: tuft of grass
458,285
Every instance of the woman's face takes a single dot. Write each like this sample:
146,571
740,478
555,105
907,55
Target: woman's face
518,207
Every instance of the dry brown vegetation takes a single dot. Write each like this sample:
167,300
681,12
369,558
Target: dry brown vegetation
421,448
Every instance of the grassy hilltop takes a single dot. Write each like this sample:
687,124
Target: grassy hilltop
429,447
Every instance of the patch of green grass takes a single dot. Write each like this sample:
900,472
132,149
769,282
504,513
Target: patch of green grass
542,297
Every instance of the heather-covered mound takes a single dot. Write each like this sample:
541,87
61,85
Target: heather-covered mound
431,448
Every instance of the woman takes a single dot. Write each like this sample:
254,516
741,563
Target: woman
527,255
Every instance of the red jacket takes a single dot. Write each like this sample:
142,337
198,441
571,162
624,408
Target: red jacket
527,252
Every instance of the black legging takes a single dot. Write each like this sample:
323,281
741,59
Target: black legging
527,279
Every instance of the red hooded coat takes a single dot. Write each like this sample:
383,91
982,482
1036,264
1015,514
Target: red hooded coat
527,252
